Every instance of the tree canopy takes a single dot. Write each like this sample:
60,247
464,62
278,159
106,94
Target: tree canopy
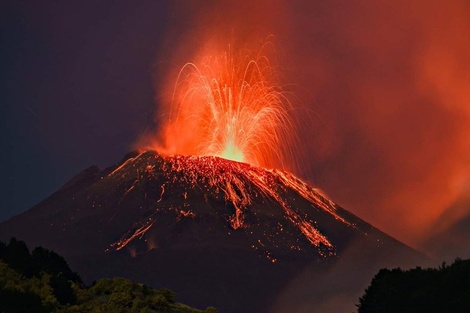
431,290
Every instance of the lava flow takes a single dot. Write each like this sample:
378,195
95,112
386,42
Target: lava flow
228,105
183,185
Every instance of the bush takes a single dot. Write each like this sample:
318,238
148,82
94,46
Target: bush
211,309
121,299
14,301
43,282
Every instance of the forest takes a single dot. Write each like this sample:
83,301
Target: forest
41,281
431,290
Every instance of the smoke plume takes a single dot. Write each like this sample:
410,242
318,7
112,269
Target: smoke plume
386,89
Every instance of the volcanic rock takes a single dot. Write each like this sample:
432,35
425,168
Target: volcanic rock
217,232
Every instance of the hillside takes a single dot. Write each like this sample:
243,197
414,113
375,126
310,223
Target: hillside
41,281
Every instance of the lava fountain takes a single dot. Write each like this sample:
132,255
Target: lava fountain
228,105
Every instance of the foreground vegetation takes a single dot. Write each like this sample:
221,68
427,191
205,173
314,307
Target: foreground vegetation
445,289
42,281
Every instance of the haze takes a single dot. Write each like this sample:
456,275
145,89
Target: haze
386,86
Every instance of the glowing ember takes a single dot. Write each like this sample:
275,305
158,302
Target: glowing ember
227,105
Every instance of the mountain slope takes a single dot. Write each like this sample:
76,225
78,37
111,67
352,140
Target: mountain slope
213,230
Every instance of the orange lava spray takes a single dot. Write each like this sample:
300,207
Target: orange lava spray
228,105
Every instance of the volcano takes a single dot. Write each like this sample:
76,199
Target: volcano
217,232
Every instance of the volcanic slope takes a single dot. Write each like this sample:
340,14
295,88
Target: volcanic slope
218,232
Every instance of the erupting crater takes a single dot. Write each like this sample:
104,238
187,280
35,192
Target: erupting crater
227,122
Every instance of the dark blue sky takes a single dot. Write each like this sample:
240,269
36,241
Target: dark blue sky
76,89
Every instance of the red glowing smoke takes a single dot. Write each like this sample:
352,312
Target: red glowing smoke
227,104
388,85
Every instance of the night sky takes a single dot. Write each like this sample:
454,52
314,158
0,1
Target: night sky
386,85
76,87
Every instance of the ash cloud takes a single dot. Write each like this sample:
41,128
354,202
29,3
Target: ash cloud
387,88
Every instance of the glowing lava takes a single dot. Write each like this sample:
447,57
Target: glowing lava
176,183
228,105
228,123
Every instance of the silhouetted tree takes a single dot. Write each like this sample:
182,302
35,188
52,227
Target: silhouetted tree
3,249
63,290
17,257
44,260
446,289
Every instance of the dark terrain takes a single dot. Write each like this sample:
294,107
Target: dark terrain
217,232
